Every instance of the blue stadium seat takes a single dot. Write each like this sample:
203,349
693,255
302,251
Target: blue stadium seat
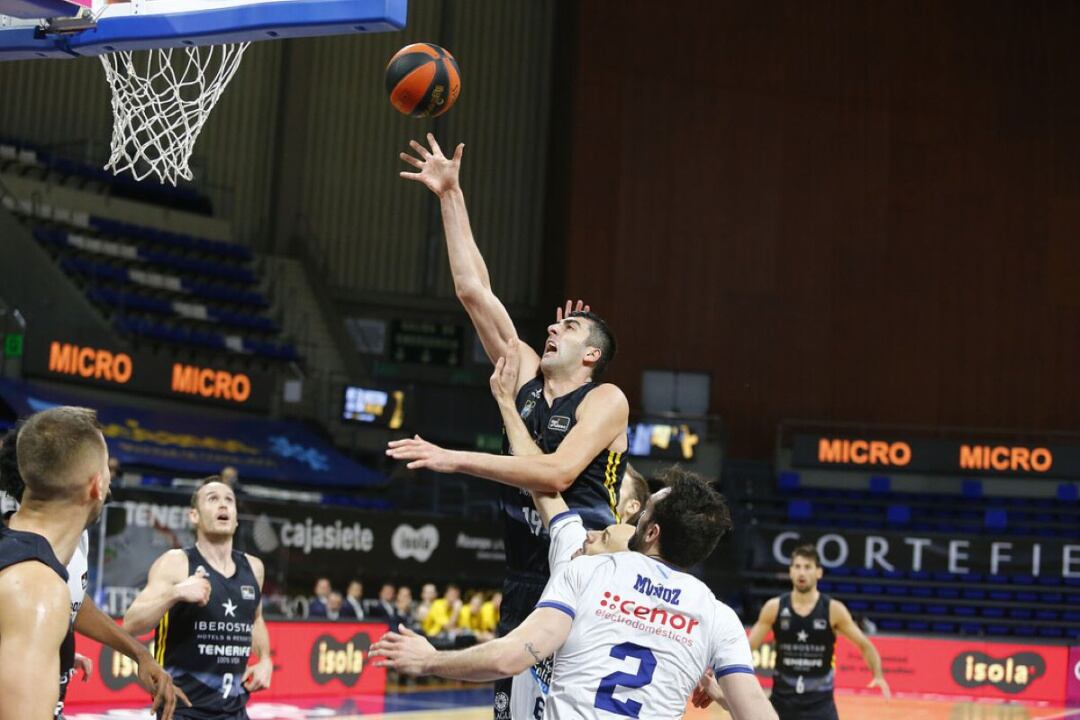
788,480
1046,614
948,592
996,519
1017,613
911,608
965,611
945,628
825,586
997,630
992,612
866,572
923,592
970,629
897,590
937,609
1051,632
890,625
1002,595
880,484
858,605
1068,492
1024,631
898,515
1022,579
919,626
973,594
971,488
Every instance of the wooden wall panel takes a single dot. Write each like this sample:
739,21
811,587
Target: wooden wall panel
842,210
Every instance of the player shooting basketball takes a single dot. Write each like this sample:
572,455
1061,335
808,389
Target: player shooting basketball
578,423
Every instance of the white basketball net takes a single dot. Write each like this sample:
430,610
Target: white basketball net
161,99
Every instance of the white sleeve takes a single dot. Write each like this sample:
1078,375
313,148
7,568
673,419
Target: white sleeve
84,545
564,591
731,647
567,537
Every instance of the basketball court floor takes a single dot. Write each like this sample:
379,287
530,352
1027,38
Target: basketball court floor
469,704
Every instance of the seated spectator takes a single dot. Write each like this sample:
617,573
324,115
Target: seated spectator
470,620
428,596
354,605
317,606
442,615
384,605
404,614
334,604
489,613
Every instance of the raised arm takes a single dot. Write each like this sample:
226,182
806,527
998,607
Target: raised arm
35,609
257,676
471,281
540,635
503,389
602,417
844,624
167,584
764,625
96,625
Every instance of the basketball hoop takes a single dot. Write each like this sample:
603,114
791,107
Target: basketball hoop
161,98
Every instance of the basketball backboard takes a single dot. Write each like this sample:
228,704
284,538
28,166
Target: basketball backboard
31,29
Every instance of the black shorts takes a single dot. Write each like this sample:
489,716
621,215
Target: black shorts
191,714
808,706
520,596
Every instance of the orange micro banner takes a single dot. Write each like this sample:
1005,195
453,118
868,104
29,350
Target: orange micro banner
146,373
310,658
970,668
971,456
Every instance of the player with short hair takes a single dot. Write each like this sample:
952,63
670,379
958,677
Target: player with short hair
805,622
579,423
87,618
631,632
205,602
64,463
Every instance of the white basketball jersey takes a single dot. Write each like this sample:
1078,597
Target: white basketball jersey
643,634
528,691
78,574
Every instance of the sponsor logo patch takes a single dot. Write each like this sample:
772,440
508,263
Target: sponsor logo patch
559,422
332,659
418,543
1010,674
247,592
821,624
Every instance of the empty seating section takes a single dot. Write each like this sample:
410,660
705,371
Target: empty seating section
21,158
165,286
1021,605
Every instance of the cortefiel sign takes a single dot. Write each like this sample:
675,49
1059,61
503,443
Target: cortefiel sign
145,373
976,456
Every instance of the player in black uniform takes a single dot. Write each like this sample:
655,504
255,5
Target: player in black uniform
805,623
205,602
89,620
63,461
578,422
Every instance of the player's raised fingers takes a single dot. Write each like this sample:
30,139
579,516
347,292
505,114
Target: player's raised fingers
459,151
181,696
434,144
411,160
420,149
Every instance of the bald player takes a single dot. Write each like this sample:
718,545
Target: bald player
64,463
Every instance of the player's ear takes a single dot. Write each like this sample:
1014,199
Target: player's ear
633,507
193,516
95,487
819,572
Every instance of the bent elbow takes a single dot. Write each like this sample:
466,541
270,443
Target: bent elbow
469,292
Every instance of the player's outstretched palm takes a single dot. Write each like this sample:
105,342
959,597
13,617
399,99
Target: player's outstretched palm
438,172
404,651
421,454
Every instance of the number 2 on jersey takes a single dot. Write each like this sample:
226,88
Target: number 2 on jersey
605,694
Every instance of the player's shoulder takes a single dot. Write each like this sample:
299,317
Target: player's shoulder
608,394
171,563
35,582
256,564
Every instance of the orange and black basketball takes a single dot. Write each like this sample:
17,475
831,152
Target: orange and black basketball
423,80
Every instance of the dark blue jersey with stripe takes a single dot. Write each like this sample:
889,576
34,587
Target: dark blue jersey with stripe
804,649
206,649
593,495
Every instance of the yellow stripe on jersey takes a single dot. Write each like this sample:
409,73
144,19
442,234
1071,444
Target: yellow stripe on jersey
611,481
159,642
